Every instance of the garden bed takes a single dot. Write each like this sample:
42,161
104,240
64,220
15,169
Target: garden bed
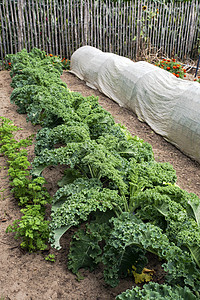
29,276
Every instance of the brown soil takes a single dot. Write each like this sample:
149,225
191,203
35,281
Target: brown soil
27,276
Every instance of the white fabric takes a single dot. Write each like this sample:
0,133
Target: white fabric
169,105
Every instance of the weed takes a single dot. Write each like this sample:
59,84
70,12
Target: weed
50,257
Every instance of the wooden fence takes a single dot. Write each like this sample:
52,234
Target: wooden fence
125,28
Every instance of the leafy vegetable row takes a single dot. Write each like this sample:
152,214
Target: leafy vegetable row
32,228
129,202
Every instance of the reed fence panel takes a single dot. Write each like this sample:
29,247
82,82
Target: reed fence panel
126,28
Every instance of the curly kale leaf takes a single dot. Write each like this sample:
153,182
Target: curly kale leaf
155,291
38,75
128,231
54,106
85,247
20,80
129,149
85,251
23,96
84,105
170,206
64,134
70,175
151,174
76,186
91,159
76,208
99,121
103,164
63,156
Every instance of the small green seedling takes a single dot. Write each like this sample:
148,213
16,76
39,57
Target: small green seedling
2,197
50,257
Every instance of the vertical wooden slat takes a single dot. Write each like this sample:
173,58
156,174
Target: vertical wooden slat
26,21
113,27
48,44
68,29
82,21
187,32
126,24
165,28
110,27
66,52
24,28
4,51
118,27
133,31
189,35
127,28
79,41
38,25
96,15
41,20
184,34
34,24
145,26
71,25
196,43
151,22
95,25
174,30
6,28
100,24
78,25
60,32
75,26
9,27
170,26
55,28
139,14
154,25
105,26
192,28
31,25
180,29
91,25
20,32
16,25
123,29
13,26
159,31
51,26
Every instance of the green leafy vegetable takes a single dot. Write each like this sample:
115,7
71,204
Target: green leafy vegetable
157,291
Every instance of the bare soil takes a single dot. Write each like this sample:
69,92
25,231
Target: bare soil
25,276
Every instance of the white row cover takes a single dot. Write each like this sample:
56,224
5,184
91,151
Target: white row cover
169,105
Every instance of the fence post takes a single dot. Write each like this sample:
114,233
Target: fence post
20,5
